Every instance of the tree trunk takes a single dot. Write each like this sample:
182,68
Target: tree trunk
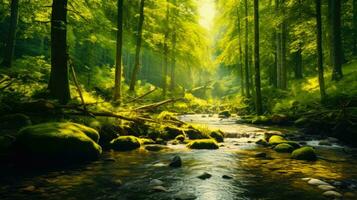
247,84
118,65
258,96
335,39
283,48
319,50
11,38
240,62
166,51
298,64
138,47
173,64
278,47
59,84
355,27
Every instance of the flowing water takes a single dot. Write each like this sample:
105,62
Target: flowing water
127,175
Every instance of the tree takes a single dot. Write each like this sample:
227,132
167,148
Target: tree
283,79
138,46
11,39
166,51
118,66
258,95
246,48
240,52
335,39
59,84
319,50
354,18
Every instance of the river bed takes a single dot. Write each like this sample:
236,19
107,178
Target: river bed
129,175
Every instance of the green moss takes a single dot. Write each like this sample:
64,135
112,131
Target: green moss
284,148
203,144
217,135
261,120
58,140
304,153
144,141
125,143
171,132
276,139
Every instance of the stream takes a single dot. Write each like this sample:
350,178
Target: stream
130,175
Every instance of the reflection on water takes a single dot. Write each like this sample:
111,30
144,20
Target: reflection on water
277,177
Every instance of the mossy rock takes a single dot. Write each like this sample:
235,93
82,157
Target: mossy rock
171,133
284,148
194,134
58,141
224,114
125,143
180,138
261,120
144,141
217,135
107,133
276,139
203,144
304,153
262,142
14,121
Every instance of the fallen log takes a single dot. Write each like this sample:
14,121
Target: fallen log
142,96
156,105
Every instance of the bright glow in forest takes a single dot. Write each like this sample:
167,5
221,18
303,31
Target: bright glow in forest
178,99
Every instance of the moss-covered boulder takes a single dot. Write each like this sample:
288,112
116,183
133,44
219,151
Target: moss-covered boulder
217,135
58,141
304,153
284,148
193,133
107,133
276,139
203,144
125,143
171,132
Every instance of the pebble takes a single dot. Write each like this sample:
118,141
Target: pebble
306,179
176,162
326,187
226,177
204,176
156,182
314,181
332,194
159,189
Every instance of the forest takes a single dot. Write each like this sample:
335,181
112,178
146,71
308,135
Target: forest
178,99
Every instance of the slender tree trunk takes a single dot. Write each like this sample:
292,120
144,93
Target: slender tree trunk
258,95
335,39
247,84
278,47
138,47
298,64
355,27
283,49
59,84
166,51
240,62
319,50
118,65
11,38
173,64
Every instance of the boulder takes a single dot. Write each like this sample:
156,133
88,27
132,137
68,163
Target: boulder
125,143
284,148
326,187
176,162
276,139
224,114
262,142
108,132
217,135
194,134
203,144
332,194
171,133
304,153
56,141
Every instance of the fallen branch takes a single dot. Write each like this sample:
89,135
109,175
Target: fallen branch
142,96
156,105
